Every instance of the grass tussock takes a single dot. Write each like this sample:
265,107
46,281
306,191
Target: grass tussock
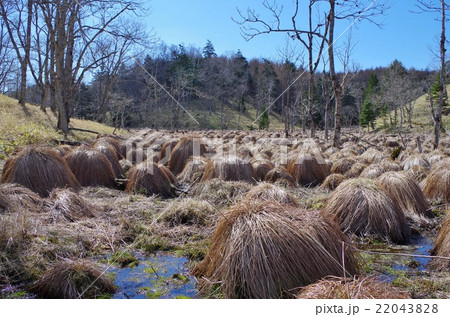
405,192
182,152
264,250
65,205
21,197
437,183
91,167
40,169
307,170
442,247
72,279
193,171
280,175
369,287
362,208
270,192
356,170
188,211
219,192
261,169
229,168
148,179
333,181
343,165
111,154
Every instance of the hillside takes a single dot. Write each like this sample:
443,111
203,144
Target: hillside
421,118
232,120
19,127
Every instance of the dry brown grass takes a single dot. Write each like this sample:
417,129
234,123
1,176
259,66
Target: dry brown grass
219,192
188,211
261,169
166,149
229,168
111,155
415,160
332,181
307,170
39,169
22,198
193,171
437,183
91,167
405,192
343,165
5,203
116,143
362,208
65,205
182,152
148,179
442,247
280,174
373,156
72,279
270,192
369,287
356,170
168,174
264,250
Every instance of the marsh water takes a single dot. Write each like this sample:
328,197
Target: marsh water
156,276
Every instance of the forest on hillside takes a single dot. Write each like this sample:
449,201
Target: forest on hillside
109,69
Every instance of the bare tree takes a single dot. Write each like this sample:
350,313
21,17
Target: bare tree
437,7
75,27
19,31
252,25
6,56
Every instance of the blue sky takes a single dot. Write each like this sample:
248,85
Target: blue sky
406,36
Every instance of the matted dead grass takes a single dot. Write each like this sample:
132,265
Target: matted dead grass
65,205
22,198
270,192
187,147
280,174
307,170
264,250
219,192
369,287
333,181
72,279
188,211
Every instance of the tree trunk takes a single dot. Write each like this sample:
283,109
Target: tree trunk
438,116
336,85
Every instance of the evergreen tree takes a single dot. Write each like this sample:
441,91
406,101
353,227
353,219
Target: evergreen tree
208,50
368,111
435,90
264,119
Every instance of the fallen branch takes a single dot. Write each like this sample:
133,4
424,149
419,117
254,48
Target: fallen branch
84,130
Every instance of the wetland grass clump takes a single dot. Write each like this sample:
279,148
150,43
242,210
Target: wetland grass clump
22,198
307,170
362,208
187,211
219,192
65,205
405,192
229,168
182,152
91,167
148,179
264,250
332,181
193,171
437,183
442,247
270,192
73,279
369,287
280,175
40,169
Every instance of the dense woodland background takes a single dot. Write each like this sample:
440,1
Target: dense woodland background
111,71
